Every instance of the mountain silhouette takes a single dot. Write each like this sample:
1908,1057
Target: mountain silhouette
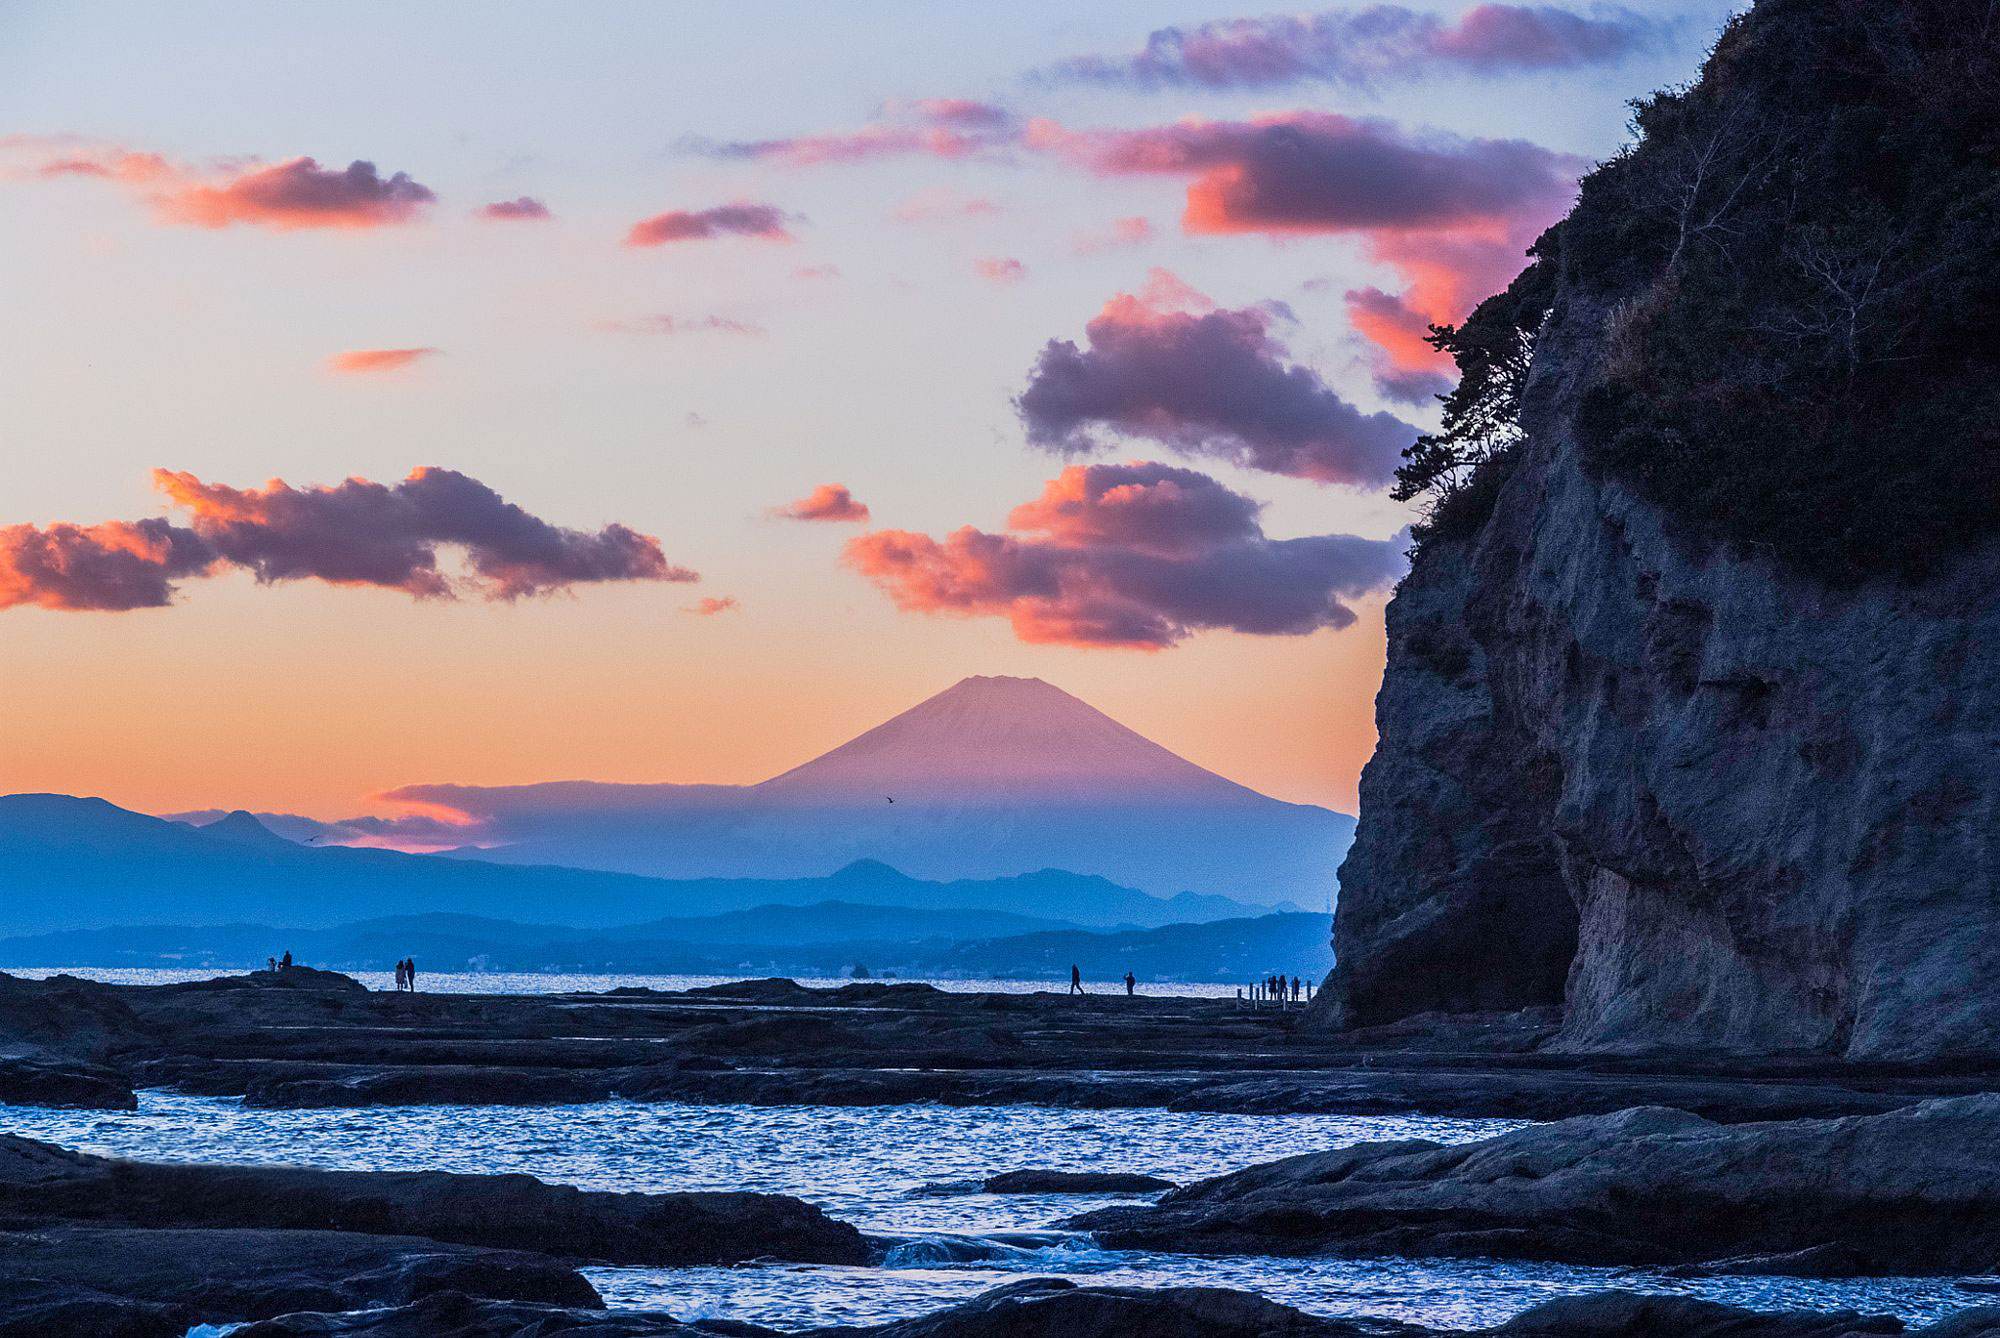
243,827
68,864
987,778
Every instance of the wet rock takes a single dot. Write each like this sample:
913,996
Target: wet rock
452,1315
42,1183
1911,1191
341,1086
63,1014
34,1079
1633,1315
1055,1308
1074,1182
156,1283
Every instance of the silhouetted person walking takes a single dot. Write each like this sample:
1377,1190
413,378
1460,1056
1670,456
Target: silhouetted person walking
1295,989
271,963
1131,984
1075,979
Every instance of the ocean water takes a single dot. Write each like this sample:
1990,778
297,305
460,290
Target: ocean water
570,982
882,1167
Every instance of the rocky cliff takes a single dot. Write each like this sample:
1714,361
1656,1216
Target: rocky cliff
1692,721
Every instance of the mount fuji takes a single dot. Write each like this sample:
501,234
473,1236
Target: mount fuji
993,776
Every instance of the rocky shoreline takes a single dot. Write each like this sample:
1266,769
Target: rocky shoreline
1915,1191
1781,1167
303,1039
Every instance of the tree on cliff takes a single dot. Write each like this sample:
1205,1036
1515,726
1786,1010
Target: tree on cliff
1790,246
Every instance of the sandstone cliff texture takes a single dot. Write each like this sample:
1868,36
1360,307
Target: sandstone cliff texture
1695,793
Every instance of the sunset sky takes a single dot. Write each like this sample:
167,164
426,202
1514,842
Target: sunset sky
728,377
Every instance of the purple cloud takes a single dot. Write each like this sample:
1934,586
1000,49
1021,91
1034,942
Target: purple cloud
724,220
1364,47
1206,381
524,209
352,533
1138,556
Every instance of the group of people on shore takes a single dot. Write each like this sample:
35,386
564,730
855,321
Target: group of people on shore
1284,990
406,975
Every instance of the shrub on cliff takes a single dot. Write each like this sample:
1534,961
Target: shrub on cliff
1801,257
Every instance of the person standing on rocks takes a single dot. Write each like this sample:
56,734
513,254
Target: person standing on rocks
285,962
1131,984
410,973
1075,979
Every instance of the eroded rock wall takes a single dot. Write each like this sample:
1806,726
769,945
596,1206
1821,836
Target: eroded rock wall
1748,809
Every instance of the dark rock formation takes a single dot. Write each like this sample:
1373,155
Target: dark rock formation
281,1044
1699,792
1632,1315
44,1184
1055,1308
454,1315
1912,1191
139,1283
32,1078
1074,1182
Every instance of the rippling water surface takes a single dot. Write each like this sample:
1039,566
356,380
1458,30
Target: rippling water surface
867,1165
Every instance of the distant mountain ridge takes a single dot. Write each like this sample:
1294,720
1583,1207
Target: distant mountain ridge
828,939
990,776
69,863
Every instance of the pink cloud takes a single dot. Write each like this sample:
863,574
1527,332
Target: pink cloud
351,533
711,605
521,209
1000,269
1318,172
298,194
288,196
1123,233
727,220
937,127
363,361
939,204
1363,47
1135,556
829,501
114,566
1167,365
1453,216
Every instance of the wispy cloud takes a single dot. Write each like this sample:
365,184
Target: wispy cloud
763,221
289,196
937,127
521,209
1002,270
667,324
1370,46
365,361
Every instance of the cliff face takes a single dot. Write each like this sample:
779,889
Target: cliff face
1690,790
1700,800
